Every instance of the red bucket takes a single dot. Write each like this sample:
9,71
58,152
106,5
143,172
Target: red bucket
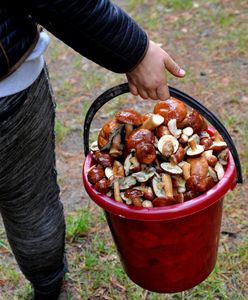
167,249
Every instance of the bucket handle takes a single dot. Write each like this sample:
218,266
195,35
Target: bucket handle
124,88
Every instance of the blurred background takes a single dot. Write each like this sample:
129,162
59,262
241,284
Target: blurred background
209,39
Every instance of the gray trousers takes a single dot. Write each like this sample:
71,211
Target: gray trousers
29,193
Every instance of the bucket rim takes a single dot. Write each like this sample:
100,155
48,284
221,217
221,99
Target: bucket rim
175,211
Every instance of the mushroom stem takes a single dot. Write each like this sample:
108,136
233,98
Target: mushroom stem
185,166
118,169
128,130
168,187
137,202
152,122
192,144
117,193
115,150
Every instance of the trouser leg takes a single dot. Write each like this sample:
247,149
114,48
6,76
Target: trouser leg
29,194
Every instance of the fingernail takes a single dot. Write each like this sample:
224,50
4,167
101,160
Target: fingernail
182,72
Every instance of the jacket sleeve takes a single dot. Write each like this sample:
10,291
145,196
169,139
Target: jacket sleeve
97,29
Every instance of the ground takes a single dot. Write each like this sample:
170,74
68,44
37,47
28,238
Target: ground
209,40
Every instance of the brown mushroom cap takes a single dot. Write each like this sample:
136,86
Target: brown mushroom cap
95,174
199,166
103,159
163,201
102,186
139,136
146,153
197,122
171,109
106,131
196,183
129,116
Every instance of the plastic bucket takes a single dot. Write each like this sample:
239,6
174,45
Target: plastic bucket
173,248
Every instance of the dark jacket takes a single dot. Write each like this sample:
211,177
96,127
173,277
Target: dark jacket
97,29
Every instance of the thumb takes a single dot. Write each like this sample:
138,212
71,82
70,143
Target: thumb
173,67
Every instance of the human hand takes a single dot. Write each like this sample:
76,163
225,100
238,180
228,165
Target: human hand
148,78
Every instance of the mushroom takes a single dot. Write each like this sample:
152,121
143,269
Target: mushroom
167,145
148,193
183,138
223,157
199,166
179,183
161,130
153,122
117,191
185,166
219,170
118,169
94,146
190,195
137,137
103,159
213,174
102,186
106,134
218,144
162,201
131,164
196,183
171,109
171,168
194,149
129,117
206,142
196,121
135,196
116,147
211,159
158,186
167,182
126,182
145,175
147,203
179,155
95,174
188,131
146,153
127,200
172,126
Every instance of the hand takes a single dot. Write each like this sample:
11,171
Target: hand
148,78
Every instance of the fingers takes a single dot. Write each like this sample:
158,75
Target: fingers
133,89
163,92
173,67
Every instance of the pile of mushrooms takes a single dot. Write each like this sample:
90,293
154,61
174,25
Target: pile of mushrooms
161,158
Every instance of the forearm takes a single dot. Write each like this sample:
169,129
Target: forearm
97,29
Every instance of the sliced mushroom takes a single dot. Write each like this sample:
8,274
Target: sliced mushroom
172,126
167,145
153,122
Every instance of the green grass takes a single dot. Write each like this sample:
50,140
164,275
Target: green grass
60,131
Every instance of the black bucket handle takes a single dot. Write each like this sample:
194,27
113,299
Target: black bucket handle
124,88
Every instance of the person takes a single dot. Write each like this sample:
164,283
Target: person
29,194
